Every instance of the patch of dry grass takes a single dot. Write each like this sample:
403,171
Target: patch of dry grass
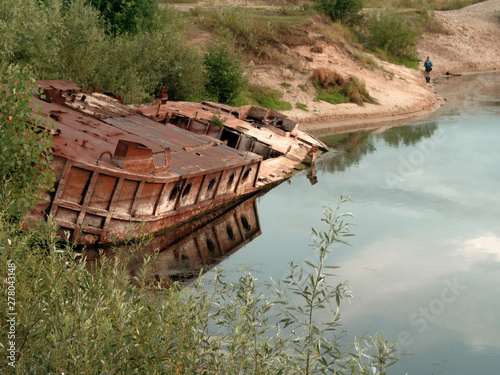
331,86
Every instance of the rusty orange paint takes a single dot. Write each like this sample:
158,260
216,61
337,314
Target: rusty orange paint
122,172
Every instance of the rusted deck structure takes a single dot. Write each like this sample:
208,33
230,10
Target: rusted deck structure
123,172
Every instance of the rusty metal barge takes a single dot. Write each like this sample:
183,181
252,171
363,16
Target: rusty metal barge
124,171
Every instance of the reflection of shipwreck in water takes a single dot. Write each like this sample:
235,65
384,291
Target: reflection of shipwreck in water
122,172
201,243
208,245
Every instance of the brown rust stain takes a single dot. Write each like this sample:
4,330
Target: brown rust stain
125,172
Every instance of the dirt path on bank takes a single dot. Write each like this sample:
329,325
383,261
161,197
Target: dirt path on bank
472,45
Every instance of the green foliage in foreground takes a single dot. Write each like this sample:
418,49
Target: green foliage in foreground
72,42
25,141
74,317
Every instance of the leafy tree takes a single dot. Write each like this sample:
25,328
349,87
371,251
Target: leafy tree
69,40
345,11
391,33
126,16
225,80
30,35
137,66
82,43
25,141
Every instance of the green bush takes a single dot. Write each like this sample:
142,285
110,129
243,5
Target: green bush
25,142
82,44
345,11
76,316
225,81
30,33
71,43
391,33
137,66
126,17
265,97
334,88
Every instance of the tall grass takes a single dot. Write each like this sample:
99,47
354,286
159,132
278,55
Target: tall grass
392,34
335,88
265,97
258,36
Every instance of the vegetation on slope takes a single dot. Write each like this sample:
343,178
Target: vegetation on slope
134,48
335,88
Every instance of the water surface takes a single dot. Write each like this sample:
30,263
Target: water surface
424,266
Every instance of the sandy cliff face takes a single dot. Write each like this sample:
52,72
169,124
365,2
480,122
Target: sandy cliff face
472,45
474,42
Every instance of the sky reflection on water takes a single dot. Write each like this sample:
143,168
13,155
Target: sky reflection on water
424,266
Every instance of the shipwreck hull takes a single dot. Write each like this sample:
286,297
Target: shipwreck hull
121,174
94,205
181,253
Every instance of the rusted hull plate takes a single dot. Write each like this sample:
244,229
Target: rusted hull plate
121,174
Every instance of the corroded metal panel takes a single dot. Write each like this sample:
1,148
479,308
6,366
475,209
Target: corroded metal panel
126,196
190,191
228,181
103,191
210,186
148,199
169,197
123,171
76,186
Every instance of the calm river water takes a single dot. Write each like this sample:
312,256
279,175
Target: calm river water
424,265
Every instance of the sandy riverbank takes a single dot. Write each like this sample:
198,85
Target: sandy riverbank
472,45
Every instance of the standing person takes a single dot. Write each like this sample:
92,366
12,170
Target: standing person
428,68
